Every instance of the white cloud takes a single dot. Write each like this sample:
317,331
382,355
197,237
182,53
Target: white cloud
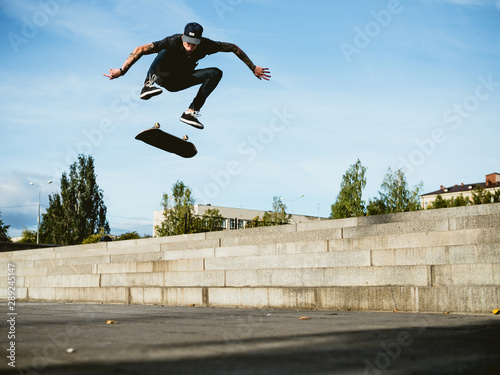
19,199
100,23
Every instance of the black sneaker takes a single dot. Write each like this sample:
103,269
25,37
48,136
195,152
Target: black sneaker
191,118
149,90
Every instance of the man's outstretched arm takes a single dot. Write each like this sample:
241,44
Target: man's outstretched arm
259,72
136,54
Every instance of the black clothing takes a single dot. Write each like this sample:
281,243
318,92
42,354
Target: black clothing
177,60
176,68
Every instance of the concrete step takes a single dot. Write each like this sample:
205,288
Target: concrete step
464,246
294,255
412,240
452,213
335,231
452,248
303,260
423,226
438,255
420,261
454,299
387,298
455,213
437,275
444,225
472,237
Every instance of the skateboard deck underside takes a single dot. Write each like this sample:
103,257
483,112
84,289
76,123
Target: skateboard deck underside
167,142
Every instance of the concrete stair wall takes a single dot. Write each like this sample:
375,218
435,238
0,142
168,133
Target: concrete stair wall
433,261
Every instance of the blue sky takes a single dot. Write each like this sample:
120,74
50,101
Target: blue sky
412,84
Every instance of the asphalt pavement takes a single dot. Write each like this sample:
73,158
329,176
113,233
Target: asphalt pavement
49,338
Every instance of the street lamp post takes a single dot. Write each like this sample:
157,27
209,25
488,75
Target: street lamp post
38,217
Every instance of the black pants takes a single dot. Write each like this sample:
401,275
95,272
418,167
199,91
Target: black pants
209,78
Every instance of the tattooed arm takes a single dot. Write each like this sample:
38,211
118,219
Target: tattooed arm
131,59
259,72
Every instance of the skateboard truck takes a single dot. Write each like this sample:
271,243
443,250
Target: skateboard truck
167,142
157,126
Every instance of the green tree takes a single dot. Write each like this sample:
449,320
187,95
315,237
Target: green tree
95,238
28,236
278,213
256,222
349,201
439,202
128,236
396,194
54,224
276,216
4,231
211,221
376,207
460,201
267,219
480,195
79,210
496,196
175,214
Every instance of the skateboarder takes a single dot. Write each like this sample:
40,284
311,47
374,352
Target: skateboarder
174,67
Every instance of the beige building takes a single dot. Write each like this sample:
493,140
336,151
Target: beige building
491,184
235,218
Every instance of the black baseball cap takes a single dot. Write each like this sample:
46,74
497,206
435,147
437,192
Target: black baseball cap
192,33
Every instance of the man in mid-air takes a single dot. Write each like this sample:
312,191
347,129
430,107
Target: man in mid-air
174,67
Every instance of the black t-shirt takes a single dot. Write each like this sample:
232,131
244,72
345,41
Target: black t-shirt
177,59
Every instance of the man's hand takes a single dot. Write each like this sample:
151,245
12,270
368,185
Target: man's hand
262,73
136,54
113,73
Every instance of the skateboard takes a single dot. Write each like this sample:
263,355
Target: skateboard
167,142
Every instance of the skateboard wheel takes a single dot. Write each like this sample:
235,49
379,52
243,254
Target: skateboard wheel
157,125
185,137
